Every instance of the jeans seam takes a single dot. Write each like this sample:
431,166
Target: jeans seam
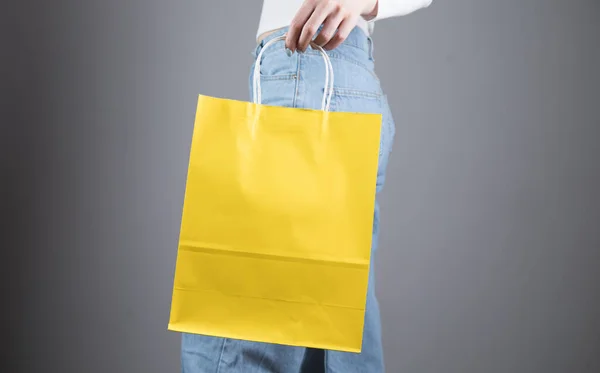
349,92
221,355
383,135
268,78
298,65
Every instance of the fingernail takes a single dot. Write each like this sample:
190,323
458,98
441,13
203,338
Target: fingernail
288,51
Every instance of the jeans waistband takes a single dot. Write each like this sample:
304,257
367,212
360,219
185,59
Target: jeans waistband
357,39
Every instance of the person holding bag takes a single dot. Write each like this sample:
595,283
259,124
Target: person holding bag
315,55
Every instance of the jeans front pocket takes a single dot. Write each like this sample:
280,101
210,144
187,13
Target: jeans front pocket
277,83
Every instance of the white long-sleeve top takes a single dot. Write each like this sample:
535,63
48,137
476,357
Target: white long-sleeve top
279,13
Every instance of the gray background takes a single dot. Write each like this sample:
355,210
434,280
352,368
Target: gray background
490,245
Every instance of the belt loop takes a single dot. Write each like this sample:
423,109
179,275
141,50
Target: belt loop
370,42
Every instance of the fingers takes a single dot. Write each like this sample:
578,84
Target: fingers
342,33
297,24
337,23
330,26
311,26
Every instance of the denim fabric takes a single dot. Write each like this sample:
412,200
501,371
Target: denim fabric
298,81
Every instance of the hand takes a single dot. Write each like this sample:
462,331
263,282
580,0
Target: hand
338,18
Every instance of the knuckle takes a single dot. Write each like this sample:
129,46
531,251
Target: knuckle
311,29
339,37
325,35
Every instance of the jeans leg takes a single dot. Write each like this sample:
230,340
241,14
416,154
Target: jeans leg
371,357
204,354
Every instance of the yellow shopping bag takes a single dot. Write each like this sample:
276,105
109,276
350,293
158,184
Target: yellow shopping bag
277,221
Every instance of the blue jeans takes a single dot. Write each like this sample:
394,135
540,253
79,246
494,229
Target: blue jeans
298,81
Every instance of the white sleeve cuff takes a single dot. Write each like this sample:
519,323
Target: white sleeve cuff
394,8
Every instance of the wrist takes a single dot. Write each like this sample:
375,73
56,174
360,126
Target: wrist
370,10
